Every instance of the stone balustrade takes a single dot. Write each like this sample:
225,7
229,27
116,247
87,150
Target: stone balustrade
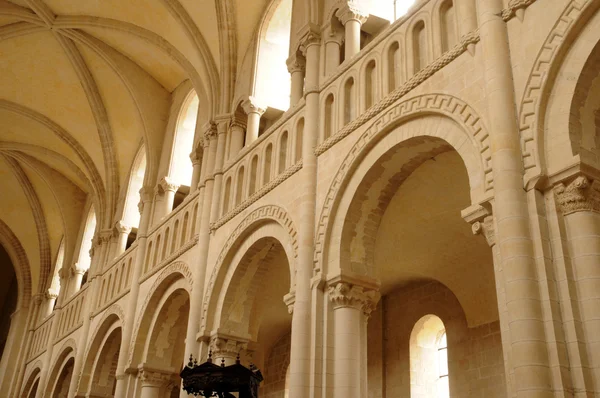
115,281
71,314
39,340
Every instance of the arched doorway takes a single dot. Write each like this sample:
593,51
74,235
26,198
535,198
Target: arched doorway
60,377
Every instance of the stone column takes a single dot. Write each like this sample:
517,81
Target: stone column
301,355
254,109
154,382
237,131
196,158
145,208
530,362
296,66
579,201
352,18
49,301
165,192
228,348
333,43
122,232
466,15
351,304
77,273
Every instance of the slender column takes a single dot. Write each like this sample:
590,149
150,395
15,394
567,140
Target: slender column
237,130
352,18
531,365
579,202
254,110
210,145
49,301
77,273
196,158
333,43
218,168
300,356
122,232
145,207
296,66
351,304
154,383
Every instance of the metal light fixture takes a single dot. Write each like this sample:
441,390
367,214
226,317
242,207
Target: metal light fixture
210,380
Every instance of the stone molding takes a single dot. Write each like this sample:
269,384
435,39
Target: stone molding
535,88
443,104
515,8
485,228
346,295
227,346
581,194
351,11
210,132
154,377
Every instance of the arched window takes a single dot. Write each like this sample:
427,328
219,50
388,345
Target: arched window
226,196
419,46
272,77
60,257
181,168
329,119
349,101
370,84
283,147
267,170
448,25
239,190
390,9
299,138
253,175
84,260
429,359
393,58
131,214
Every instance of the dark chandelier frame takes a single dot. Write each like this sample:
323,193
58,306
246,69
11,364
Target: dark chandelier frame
210,380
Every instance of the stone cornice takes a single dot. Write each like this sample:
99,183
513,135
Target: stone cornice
581,194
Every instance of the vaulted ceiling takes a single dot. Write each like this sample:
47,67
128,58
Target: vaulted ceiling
83,83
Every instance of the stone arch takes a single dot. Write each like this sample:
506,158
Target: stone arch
31,378
436,116
264,222
170,275
63,365
112,318
533,107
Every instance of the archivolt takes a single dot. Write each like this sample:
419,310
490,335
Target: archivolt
478,166
537,88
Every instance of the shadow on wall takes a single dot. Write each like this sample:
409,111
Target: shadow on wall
8,295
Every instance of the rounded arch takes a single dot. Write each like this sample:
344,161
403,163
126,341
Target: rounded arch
265,222
62,370
572,32
32,379
169,276
17,254
180,166
131,214
111,319
436,116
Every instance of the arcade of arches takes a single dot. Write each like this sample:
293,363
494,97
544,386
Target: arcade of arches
364,199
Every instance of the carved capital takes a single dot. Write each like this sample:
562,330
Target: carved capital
289,300
76,269
63,273
155,378
38,298
105,235
309,36
210,132
296,63
121,228
51,294
224,346
167,185
485,228
352,12
343,295
146,194
253,105
581,194
237,122
196,157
